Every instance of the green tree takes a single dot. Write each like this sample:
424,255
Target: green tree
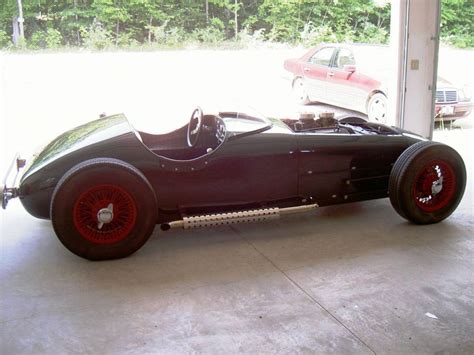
457,26
104,23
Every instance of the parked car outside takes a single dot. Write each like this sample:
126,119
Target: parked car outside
451,102
330,74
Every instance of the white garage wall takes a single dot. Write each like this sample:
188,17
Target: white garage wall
414,43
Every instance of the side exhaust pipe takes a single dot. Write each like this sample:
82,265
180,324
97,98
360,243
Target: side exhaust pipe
258,215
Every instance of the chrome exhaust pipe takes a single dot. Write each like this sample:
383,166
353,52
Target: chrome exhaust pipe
217,219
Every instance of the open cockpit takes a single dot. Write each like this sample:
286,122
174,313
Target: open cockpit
174,145
203,135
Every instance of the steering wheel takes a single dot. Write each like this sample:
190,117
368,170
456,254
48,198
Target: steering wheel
194,130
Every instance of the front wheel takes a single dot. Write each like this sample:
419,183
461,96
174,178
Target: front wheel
103,209
427,182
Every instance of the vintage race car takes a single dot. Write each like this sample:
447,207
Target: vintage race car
106,185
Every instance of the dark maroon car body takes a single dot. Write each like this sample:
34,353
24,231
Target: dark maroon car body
268,167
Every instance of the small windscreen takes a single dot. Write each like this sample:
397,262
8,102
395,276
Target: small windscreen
238,118
238,122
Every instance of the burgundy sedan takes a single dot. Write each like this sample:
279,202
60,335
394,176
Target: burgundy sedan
328,74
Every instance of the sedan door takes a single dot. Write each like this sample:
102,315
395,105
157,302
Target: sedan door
347,87
315,72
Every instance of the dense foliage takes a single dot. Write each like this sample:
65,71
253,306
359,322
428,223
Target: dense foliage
173,23
457,22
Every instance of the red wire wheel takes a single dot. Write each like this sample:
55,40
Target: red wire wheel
427,182
103,209
434,186
110,199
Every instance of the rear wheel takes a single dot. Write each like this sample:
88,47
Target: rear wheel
427,182
103,209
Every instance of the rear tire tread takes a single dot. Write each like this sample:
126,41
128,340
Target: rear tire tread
400,163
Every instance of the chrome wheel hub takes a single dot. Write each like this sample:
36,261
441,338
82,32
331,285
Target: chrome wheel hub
437,185
105,215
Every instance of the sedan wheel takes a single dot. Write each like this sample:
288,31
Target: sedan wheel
299,91
377,108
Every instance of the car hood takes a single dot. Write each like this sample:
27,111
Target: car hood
77,138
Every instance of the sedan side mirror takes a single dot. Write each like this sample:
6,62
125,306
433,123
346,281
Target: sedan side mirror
349,68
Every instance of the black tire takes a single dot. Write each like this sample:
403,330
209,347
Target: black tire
97,187
427,182
395,173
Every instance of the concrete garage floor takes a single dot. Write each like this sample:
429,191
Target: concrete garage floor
354,278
